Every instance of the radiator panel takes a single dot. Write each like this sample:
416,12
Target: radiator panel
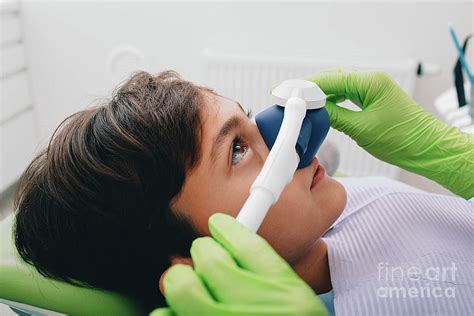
248,79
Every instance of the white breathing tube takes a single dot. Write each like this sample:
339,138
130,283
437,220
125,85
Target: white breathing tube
282,161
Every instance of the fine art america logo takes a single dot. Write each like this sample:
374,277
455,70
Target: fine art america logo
416,282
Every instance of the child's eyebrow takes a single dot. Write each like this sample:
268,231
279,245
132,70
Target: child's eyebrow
231,124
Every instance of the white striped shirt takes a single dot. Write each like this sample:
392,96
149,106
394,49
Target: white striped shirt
398,250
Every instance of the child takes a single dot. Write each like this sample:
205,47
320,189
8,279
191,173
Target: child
123,188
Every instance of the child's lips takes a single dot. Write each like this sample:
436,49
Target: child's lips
318,173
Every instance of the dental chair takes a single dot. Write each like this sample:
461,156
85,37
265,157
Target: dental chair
28,293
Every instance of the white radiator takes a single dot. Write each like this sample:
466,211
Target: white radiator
248,79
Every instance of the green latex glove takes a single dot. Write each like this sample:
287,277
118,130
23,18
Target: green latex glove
235,273
394,128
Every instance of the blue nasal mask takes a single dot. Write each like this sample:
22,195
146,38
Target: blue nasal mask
293,131
314,130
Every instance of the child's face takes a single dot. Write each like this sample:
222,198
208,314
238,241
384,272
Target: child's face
231,158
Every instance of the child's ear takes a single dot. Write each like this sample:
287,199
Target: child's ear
174,260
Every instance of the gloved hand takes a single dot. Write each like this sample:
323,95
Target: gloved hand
394,128
235,273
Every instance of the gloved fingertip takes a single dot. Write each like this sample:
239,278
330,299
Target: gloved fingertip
199,242
202,247
341,118
221,220
175,275
227,230
330,107
164,311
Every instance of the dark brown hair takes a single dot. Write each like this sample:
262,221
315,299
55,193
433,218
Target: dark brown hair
94,206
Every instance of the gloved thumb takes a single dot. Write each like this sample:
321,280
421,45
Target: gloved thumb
342,119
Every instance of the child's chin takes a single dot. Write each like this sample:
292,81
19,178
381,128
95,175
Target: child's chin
338,196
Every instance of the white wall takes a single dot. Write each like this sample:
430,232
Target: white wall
68,43
18,133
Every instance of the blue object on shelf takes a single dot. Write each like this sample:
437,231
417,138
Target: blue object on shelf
458,80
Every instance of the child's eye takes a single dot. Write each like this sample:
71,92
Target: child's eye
239,150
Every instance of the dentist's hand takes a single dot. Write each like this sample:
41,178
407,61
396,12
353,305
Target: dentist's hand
394,128
235,273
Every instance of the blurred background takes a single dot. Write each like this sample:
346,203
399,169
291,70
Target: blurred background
57,57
